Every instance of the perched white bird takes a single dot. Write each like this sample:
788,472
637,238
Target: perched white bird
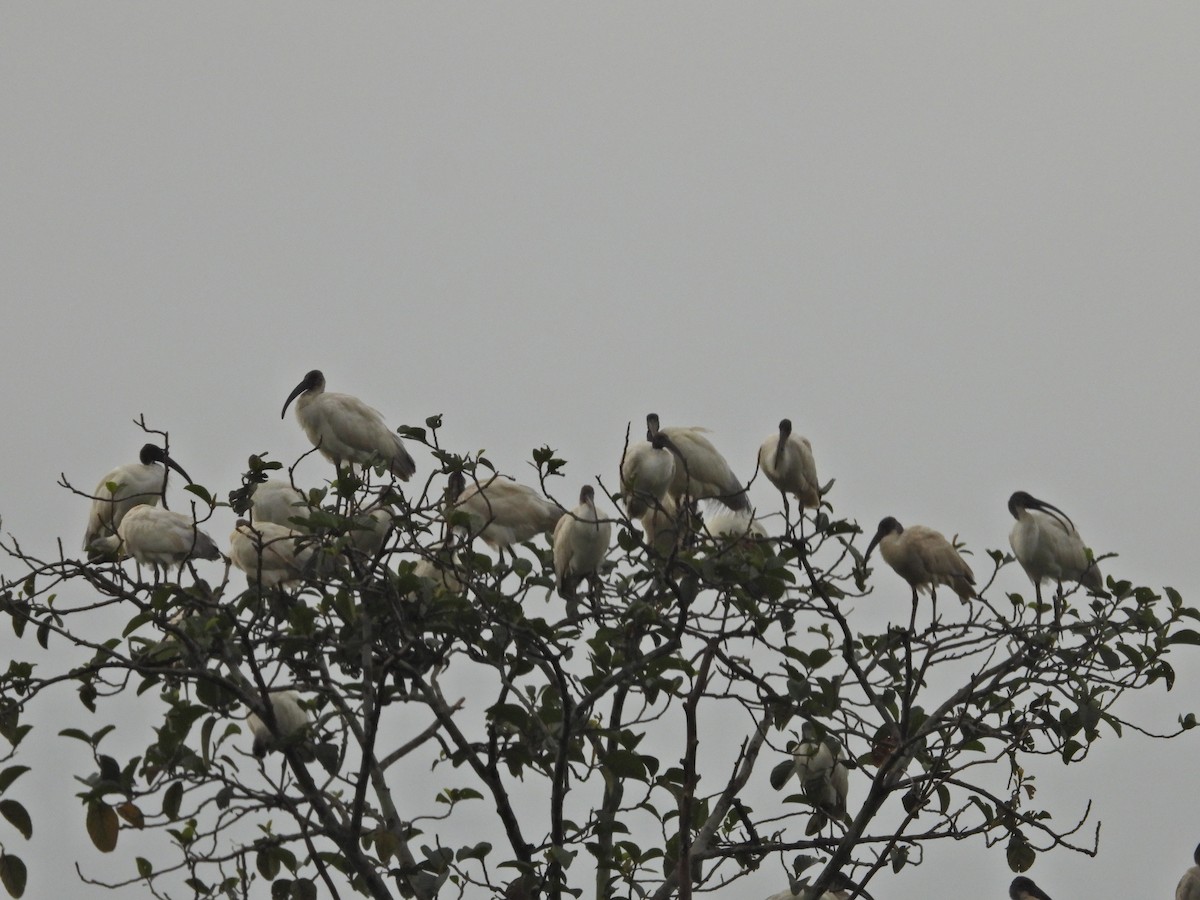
646,474
158,538
1047,545
924,558
787,461
728,527
661,524
277,501
502,512
137,484
441,566
1189,884
839,889
823,775
1023,888
290,721
371,529
580,544
269,554
700,471
346,430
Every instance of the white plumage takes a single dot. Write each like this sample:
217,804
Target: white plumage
787,461
922,557
277,501
700,471
441,567
290,720
727,527
646,474
661,524
501,511
135,484
274,554
1047,545
1189,884
839,893
159,538
824,778
581,542
346,430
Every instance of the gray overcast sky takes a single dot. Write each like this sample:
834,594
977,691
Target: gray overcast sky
954,242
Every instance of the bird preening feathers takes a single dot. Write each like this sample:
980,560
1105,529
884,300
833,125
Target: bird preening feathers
1047,546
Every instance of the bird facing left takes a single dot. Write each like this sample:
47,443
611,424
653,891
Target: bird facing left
346,430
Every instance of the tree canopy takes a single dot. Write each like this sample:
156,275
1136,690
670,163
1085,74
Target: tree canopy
430,718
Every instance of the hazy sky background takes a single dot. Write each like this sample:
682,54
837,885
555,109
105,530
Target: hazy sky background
956,243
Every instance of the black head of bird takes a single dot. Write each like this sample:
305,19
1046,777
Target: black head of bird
313,381
152,453
887,526
652,426
1023,888
1020,500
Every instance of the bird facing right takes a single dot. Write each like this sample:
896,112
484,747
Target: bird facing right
1023,888
135,484
1047,545
1189,884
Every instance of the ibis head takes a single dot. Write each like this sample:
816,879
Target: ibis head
313,381
1020,500
651,426
1023,888
785,430
152,453
887,526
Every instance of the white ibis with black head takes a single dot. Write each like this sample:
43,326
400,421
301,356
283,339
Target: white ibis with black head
924,558
1047,545
824,778
290,722
159,538
646,474
346,430
1023,888
501,511
581,542
787,461
137,484
700,471
269,554
1189,884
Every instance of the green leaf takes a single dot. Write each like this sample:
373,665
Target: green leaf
1185,636
781,773
267,864
303,889
11,774
17,816
1020,854
102,826
13,874
172,800
144,867
200,492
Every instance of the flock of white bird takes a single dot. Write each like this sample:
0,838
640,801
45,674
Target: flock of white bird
672,467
